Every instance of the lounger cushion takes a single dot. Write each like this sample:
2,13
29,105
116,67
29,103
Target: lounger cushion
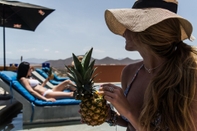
23,91
31,98
8,76
65,101
56,78
45,69
43,74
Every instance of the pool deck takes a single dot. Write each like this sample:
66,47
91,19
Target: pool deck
11,119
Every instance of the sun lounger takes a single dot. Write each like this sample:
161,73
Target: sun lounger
56,80
40,78
44,75
41,75
35,110
56,77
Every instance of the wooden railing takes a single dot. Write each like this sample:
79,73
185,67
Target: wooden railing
108,73
10,68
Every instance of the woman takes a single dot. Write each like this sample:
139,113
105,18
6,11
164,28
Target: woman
37,89
79,58
159,93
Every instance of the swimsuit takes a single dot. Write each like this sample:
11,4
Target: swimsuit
33,83
158,119
47,91
129,87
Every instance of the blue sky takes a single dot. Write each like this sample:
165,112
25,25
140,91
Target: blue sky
74,27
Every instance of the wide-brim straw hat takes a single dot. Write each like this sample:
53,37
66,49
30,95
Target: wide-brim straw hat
144,14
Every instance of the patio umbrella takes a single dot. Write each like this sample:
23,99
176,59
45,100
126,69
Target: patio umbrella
20,15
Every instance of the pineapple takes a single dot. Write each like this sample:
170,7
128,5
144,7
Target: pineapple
93,106
50,73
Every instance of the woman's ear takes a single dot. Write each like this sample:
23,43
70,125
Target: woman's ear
32,68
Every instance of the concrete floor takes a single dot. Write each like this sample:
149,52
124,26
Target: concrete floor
15,124
11,120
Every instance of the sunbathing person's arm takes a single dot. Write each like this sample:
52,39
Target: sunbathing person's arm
70,85
45,81
34,93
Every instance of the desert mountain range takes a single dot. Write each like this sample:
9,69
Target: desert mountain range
60,64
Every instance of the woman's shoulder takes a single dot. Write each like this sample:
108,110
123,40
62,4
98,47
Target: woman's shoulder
133,66
128,72
23,79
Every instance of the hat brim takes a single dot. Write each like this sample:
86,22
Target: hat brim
138,20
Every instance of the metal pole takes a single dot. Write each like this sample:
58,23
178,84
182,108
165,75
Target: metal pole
4,56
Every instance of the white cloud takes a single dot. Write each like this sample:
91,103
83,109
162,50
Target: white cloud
33,49
46,50
9,52
70,30
98,51
57,52
27,50
23,50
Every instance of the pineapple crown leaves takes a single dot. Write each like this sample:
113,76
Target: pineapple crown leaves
84,69
82,72
86,59
73,75
82,66
89,72
50,71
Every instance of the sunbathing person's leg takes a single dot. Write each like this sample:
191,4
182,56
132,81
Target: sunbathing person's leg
67,84
57,94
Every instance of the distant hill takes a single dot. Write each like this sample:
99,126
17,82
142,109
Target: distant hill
17,61
60,64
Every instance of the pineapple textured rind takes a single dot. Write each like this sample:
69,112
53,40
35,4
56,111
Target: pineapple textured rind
93,107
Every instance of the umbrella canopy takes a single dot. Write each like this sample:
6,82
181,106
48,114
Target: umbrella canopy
19,15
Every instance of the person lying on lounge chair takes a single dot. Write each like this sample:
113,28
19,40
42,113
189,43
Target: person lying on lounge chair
38,90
